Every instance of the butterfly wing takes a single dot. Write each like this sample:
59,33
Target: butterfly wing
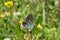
29,19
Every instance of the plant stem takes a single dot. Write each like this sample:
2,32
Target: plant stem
30,34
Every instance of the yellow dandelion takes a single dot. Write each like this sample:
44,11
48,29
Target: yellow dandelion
25,37
8,4
21,21
21,25
39,26
2,15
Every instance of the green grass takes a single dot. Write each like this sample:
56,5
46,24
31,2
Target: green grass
10,27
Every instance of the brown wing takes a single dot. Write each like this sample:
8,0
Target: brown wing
29,19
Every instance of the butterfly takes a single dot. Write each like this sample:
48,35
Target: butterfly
28,22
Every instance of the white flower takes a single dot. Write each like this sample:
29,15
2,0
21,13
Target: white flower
32,0
16,13
7,38
56,2
7,13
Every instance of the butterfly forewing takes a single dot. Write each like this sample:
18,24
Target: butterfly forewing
29,19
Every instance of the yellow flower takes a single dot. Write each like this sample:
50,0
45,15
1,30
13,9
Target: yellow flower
25,37
8,4
2,15
21,21
39,26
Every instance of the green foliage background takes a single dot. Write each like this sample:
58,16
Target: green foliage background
10,27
